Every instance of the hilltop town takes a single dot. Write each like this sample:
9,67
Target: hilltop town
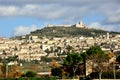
32,48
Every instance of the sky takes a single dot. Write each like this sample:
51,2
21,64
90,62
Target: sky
20,17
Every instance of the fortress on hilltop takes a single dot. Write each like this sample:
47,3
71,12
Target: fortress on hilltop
78,25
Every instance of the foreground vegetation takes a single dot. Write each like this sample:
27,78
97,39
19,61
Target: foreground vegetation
75,65
32,78
105,75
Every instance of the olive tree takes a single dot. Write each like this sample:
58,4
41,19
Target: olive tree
72,62
118,59
98,57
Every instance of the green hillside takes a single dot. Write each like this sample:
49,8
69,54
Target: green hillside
69,32
72,31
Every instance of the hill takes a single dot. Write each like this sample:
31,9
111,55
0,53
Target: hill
69,32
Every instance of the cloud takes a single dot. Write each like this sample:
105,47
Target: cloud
115,17
57,9
68,11
45,12
34,11
111,27
95,25
22,30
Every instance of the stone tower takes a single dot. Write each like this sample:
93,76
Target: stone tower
80,25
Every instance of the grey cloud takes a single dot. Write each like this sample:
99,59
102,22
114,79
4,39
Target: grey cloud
60,2
67,10
111,11
43,12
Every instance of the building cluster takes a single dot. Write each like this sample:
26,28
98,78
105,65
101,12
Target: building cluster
78,25
33,48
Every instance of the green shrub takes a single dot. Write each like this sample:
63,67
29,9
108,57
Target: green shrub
30,74
56,71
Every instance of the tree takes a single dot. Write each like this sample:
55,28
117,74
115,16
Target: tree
72,62
54,64
94,50
57,71
118,59
48,51
4,52
15,71
69,48
30,74
83,54
12,58
98,57
5,62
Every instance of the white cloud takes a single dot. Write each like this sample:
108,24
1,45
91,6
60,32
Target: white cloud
110,27
35,11
95,25
68,11
22,30
56,10
8,11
